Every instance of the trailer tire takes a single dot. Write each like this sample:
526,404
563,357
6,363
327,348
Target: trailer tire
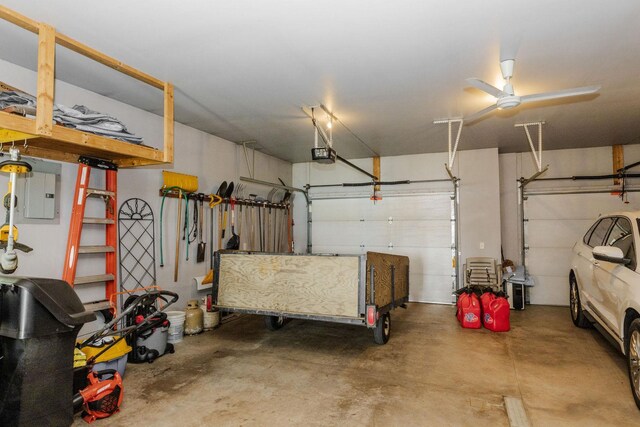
383,329
273,323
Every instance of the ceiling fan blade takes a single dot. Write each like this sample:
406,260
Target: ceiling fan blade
565,93
475,116
486,87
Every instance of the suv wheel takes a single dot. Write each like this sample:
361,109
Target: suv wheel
632,351
576,307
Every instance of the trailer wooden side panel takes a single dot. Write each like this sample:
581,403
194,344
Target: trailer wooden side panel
316,285
382,264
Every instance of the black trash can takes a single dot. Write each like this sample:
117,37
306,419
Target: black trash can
39,323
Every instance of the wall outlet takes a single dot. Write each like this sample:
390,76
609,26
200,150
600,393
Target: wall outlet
481,245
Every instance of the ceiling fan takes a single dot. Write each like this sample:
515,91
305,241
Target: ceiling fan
506,98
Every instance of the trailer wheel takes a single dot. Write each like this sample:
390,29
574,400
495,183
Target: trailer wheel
383,329
273,323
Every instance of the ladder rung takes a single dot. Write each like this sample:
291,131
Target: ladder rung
95,249
88,220
97,305
99,192
93,279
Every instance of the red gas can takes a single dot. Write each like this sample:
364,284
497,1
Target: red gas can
469,311
500,312
461,301
485,301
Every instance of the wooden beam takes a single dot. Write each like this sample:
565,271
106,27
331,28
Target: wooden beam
17,123
18,19
46,76
168,123
43,153
376,171
107,145
618,161
100,57
135,162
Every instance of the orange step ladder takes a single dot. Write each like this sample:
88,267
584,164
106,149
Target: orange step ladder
78,219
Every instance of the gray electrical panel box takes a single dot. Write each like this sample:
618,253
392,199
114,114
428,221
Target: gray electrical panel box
40,196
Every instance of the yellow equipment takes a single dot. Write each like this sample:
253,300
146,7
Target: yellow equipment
188,183
8,231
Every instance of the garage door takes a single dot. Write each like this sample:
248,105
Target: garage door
419,227
555,223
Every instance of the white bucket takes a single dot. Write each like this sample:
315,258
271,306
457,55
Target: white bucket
211,319
176,329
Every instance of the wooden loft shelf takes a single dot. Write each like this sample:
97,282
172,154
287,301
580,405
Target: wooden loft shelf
50,141
66,145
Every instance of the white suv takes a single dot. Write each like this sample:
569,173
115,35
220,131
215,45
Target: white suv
605,286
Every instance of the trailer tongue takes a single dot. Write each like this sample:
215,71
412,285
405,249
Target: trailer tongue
353,289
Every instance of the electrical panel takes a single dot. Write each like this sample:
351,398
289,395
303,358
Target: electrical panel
40,193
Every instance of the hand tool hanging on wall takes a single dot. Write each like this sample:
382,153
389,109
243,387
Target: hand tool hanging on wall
214,201
227,196
202,246
234,241
260,227
177,260
221,192
164,196
240,227
191,234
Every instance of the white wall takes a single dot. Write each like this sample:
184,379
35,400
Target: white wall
211,158
480,233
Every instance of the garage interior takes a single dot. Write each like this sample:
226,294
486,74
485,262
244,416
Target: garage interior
232,102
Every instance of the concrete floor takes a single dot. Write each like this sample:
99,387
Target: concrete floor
432,372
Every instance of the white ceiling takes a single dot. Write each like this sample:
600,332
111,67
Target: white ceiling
242,69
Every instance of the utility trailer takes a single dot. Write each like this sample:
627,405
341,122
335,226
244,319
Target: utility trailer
353,289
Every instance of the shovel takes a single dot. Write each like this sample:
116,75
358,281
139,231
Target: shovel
234,241
221,192
202,246
227,195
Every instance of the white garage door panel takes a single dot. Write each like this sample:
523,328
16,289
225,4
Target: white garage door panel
338,210
420,229
555,223
436,289
408,208
428,234
548,261
337,233
550,290
571,206
556,233
418,208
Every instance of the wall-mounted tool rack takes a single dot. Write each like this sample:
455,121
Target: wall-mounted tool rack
173,194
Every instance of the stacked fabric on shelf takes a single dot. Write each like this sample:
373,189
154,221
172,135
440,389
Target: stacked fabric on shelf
79,117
